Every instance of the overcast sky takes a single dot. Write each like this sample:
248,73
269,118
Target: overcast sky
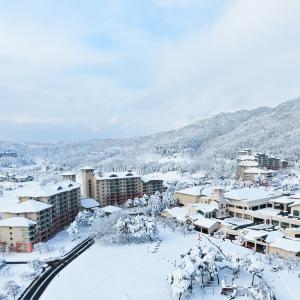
73,69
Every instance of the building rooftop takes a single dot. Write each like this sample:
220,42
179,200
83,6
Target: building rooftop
37,190
205,222
197,190
16,222
69,173
248,164
253,235
205,208
89,203
148,178
115,175
180,213
268,211
283,200
256,171
237,221
28,206
286,244
246,157
250,194
111,209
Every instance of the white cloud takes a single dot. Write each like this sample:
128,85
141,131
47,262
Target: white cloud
245,56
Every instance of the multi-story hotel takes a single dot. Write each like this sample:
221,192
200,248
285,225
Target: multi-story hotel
250,165
41,211
111,188
115,188
151,185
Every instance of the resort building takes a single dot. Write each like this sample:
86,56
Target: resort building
39,213
261,218
18,234
151,185
113,188
251,165
71,176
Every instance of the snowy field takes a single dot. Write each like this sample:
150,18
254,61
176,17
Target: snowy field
122,272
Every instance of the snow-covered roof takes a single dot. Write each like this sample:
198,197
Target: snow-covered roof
256,171
206,223
205,208
69,173
37,190
115,175
180,213
253,235
283,200
267,211
198,190
274,235
87,168
89,203
295,203
250,194
247,163
28,206
237,221
147,178
286,244
16,222
111,209
246,157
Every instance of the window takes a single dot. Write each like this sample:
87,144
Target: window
285,225
296,213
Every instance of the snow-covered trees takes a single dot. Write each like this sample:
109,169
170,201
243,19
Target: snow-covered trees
125,228
85,218
169,199
12,288
253,266
3,297
37,265
262,291
179,281
156,204
197,266
137,228
73,230
42,247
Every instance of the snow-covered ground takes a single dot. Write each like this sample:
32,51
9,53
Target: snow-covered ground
139,271
14,273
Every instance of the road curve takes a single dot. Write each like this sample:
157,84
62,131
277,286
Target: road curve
38,286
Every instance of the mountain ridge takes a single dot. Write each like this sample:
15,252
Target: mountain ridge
210,144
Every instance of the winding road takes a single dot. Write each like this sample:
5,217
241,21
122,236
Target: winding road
38,286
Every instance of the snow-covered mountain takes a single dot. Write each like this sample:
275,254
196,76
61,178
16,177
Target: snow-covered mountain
210,144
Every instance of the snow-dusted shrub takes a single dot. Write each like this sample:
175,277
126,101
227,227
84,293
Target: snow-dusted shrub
12,288
197,266
37,265
253,266
85,218
73,230
261,291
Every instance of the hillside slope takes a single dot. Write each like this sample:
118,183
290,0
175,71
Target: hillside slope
209,144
